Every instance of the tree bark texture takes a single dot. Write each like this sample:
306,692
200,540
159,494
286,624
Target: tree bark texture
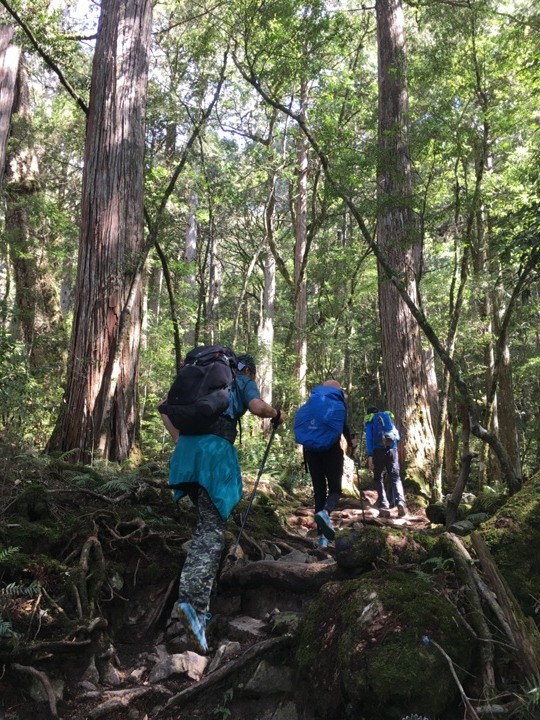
9,64
399,239
99,411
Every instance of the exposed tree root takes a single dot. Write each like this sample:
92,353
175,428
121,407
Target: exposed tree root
295,577
44,680
119,699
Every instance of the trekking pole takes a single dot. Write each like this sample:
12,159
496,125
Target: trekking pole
232,553
358,482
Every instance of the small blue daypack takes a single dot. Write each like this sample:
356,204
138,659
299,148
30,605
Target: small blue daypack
319,422
385,433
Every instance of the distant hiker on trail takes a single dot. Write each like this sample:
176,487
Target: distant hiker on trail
318,427
382,438
205,467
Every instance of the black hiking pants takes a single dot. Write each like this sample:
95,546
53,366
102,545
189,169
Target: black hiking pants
326,470
387,459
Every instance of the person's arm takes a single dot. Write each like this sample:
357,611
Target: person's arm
262,409
369,444
173,432
350,439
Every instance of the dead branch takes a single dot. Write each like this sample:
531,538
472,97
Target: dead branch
217,676
469,579
471,712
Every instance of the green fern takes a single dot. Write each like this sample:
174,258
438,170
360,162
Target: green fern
19,590
6,629
117,486
437,564
8,552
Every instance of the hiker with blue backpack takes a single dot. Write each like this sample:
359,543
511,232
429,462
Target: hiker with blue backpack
318,427
212,391
382,438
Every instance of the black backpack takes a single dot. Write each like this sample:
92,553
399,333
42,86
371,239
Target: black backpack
200,391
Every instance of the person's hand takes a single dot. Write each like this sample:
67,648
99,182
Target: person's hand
370,463
279,419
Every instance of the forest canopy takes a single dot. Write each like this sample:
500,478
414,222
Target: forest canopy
341,190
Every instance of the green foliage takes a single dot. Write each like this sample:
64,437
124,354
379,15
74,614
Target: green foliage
472,86
6,553
433,566
27,401
117,486
6,630
17,589
223,710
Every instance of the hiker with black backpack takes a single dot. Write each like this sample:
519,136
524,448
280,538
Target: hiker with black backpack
318,427
382,438
204,464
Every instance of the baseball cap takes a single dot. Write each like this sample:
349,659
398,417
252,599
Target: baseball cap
244,361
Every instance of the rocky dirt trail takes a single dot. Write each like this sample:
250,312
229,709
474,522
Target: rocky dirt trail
132,661
256,612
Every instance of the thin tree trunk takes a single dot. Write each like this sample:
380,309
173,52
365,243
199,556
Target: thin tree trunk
300,249
190,257
266,325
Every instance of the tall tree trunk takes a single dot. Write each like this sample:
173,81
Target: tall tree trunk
100,404
37,307
9,63
398,238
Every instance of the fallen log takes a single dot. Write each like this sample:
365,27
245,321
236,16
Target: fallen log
524,634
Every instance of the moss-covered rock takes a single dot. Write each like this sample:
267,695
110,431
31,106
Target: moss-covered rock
359,550
361,653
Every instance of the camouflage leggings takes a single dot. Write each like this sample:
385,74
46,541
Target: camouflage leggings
202,562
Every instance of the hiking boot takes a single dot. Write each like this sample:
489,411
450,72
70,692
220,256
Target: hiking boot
194,624
323,542
402,510
385,512
324,524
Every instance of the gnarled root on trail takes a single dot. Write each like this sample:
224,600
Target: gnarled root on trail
119,699
44,680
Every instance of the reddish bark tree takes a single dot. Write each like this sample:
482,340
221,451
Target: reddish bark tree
399,239
99,410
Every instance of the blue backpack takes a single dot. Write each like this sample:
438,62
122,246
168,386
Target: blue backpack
385,433
319,422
